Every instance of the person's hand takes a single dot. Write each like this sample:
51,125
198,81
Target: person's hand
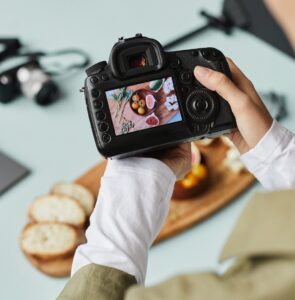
253,119
178,159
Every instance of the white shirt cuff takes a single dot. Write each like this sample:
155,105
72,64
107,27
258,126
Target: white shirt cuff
132,206
271,159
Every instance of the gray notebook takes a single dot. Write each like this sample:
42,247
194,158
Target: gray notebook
10,172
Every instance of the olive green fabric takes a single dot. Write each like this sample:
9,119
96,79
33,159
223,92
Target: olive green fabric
262,243
262,279
266,227
97,282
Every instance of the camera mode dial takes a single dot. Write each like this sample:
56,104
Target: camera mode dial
202,105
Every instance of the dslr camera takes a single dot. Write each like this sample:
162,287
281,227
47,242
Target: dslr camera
145,99
30,80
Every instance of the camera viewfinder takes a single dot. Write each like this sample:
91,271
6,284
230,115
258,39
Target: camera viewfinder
137,61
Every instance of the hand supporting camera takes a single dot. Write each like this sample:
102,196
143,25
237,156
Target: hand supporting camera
178,159
253,119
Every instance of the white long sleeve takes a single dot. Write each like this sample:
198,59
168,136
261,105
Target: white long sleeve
132,206
272,160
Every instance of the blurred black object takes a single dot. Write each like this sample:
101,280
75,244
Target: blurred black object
276,104
249,15
31,78
10,172
11,46
220,23
254,17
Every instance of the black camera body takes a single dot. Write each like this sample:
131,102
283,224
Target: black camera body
145,99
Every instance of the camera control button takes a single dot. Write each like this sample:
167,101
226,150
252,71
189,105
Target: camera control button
185,90
205,54
104,77
202,105
185,76
98,104
95,93
215,53
106,138
93,80
211,54
175,63
103,126
100,116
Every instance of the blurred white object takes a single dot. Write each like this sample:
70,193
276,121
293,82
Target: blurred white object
232,160
168,86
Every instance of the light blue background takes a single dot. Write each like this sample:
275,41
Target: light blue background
56,142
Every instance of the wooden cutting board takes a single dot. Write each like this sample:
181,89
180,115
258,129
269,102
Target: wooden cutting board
223,187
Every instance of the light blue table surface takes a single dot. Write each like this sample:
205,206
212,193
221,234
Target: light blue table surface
56,142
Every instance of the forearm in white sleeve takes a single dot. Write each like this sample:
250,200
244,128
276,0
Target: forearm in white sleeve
272,160
132,205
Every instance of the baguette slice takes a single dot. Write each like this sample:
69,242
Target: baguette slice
57,208
76,191
59,263
47,241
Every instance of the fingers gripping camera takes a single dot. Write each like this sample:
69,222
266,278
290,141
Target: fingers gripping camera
144,98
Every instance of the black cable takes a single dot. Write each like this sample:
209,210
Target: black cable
39,54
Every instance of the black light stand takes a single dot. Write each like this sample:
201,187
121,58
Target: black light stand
221,23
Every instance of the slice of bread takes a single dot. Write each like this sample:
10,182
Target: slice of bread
50,247
76,191
49,240
57,208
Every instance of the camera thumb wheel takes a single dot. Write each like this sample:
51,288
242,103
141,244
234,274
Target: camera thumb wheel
202,105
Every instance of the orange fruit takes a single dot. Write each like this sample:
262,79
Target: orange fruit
141,110
135,105
135,97
200,171
189,181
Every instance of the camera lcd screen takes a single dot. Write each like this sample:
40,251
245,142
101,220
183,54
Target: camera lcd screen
143,106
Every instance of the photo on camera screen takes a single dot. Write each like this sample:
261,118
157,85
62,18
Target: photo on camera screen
143,106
